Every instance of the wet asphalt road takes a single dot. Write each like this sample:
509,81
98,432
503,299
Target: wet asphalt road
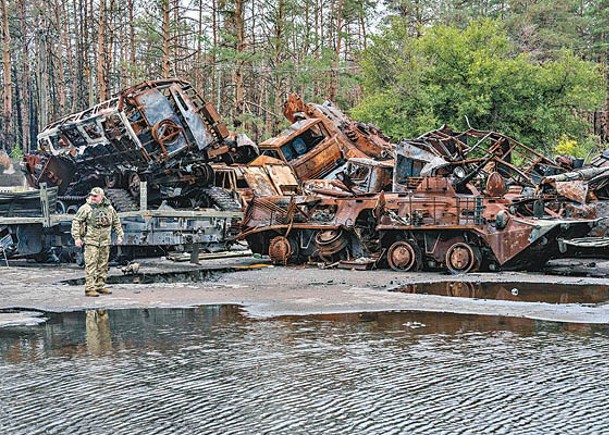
274,291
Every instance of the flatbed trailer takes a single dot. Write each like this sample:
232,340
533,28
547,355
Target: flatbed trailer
45,236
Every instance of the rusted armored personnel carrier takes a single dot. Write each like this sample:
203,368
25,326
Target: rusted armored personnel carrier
162,132
458,204
431,228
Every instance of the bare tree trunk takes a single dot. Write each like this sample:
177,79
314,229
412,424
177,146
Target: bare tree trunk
339,38
43,82
240,33
362,25
215,90
59,66
199,66
81,71
177,52
319,29
67,43
25,71
110,65
102,82
132,66
279,38
165,67
7,103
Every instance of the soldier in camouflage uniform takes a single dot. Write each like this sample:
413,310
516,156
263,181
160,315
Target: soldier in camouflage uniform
92,226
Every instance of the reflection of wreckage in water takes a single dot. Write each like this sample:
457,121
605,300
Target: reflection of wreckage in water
459,202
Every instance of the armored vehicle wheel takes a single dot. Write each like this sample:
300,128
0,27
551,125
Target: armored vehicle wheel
282,250
462,258
403,256
330,243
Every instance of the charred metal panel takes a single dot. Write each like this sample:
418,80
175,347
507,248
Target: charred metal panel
161,132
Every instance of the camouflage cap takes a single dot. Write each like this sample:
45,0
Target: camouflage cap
96,191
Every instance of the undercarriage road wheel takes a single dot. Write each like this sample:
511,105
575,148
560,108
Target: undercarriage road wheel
72,209
403,256
462,258
330,243
282,250
61,207
113,180
133,184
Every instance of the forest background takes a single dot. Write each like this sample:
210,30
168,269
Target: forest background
534,69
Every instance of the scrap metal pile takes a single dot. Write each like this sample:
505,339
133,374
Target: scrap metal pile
328,189
460,202
165,159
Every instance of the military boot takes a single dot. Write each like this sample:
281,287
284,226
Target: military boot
91,293
104,291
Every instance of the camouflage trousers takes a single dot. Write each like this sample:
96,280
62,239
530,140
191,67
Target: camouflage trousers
96,267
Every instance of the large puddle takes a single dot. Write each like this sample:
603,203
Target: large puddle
514,291
211,370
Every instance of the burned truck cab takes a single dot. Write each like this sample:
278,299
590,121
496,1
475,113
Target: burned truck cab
307,147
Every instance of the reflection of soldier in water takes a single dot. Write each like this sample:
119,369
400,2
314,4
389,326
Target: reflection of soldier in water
99,340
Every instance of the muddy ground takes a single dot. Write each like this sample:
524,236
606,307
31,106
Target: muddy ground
267,291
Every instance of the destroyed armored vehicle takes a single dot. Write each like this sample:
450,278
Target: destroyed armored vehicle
357,177
431,228
297,229
162,132
458,204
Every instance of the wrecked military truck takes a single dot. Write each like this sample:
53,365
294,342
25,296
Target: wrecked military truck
153,148
458,203
162,132
31,229
321,139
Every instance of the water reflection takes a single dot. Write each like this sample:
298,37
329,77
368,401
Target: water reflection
98,336
102,332
514,291
211,370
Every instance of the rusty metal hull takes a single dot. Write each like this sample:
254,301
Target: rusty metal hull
321,138
458,233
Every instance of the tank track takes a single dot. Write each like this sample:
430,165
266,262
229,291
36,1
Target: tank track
121,200
222,199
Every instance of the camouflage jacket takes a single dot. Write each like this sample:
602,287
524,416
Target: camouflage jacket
94,222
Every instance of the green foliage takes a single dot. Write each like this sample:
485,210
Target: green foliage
474,75
569,146
16,152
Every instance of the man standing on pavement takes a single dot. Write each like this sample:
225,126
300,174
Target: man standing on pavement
92,226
